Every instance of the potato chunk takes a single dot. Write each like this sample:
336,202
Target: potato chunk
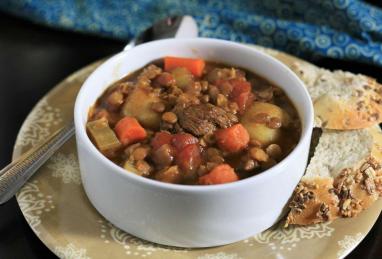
139,105
260,131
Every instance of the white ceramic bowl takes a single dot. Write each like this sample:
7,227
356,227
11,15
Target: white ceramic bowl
190,216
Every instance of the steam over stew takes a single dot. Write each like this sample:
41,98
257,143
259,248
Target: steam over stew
187,121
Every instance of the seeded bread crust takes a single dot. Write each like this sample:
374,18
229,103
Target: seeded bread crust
353,190
313,202
377,155
356,189
341,100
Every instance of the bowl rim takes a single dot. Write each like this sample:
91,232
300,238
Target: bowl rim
271,172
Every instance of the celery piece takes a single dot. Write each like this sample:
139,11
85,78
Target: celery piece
103,136
183,77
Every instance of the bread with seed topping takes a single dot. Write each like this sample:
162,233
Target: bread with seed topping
342,179
341,100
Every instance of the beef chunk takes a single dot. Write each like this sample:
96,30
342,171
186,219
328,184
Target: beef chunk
200,119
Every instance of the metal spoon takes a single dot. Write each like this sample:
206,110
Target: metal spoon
14,175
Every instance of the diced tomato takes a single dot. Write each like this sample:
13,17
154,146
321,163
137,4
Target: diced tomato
239,87
181,140
241,94
129,131
189,158
232,139
243,101
222,173
160,139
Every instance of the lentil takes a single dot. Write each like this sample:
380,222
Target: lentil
169,117
258,154
274,123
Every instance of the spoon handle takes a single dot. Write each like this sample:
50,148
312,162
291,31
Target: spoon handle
14,175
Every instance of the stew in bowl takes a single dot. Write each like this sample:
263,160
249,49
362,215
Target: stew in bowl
196,122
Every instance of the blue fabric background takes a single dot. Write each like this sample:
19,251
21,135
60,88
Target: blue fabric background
345,29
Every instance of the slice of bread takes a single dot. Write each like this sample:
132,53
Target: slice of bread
343,177
377,155
341,100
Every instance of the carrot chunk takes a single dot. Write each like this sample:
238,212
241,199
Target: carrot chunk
195,66
222,173
232,139
129,131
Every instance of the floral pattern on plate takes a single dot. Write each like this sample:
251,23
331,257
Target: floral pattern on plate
280,238
40,122
65,167
34,204
71,252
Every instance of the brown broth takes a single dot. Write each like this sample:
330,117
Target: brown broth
262,89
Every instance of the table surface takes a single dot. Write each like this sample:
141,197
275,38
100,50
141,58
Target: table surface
33,59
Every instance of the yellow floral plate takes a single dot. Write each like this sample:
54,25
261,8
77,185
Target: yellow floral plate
57,209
